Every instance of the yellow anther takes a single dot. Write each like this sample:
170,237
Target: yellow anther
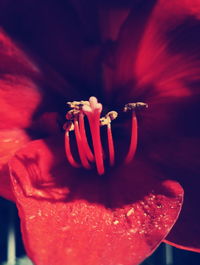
110,116
77,105
84,102
105,121
135,106
68,126
73,104
72,114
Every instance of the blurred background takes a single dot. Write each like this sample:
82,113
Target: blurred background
12,251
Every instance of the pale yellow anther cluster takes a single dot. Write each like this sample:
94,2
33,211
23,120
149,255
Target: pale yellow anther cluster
110,116
77,105
68,126
72,114
135,106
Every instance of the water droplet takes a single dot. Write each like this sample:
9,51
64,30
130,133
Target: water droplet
131,211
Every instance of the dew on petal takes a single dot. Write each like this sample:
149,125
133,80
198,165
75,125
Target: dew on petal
32,217
131,211
39,213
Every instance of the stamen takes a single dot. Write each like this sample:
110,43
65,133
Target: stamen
93,114
134,139
87,149
110,145
80,146
92,109
134,130
68,152
107,121
72,116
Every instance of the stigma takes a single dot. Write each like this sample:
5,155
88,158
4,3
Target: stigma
90,155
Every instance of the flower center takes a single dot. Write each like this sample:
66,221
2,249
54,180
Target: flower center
92,110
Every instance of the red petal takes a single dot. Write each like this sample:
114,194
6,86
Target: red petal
81,30
19,96
10,142
119,218
66,49
167,77
169,58
189,219
5,184
181,155
158,52
129,40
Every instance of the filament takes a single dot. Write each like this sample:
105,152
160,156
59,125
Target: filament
68,151
80,146
92,109
86,146
134,139
93,114
110,145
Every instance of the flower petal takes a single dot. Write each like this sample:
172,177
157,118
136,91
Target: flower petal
130,37
179,158
56,37
169,57
189,218
19,96
10,142
157,55
119,218
167,70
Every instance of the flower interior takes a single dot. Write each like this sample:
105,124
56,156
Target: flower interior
92,110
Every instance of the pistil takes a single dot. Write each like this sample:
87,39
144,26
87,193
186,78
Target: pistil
93,113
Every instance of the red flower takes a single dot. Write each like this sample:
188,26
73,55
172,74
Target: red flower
121,52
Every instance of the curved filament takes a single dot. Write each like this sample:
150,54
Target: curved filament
93,114
87,149
81,151
134,139
110,145
68,151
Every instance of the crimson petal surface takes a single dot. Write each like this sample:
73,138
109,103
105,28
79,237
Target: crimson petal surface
119,218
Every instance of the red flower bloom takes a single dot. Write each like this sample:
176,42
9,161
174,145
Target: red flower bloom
121,52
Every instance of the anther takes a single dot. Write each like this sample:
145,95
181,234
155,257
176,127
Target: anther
71,114
77,104
135,106
68,126
112,115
